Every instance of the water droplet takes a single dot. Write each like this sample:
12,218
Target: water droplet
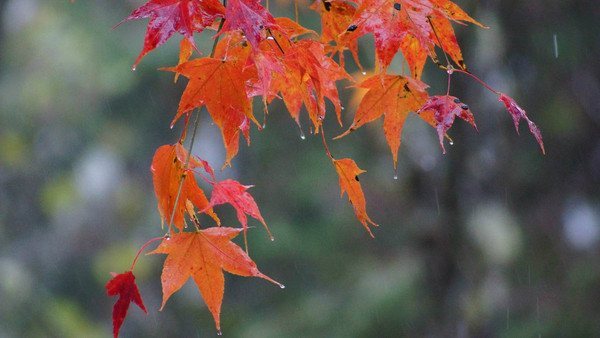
133,68
282,286
451,143
270,38
364,73
219,333
342,107
302,136
450,71
272,239
264,125
395,176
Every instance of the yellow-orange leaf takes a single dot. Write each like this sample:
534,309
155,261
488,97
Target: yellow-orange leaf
348,172
167,171
203,255
393,95
221,87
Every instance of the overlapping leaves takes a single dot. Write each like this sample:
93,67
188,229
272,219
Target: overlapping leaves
256,54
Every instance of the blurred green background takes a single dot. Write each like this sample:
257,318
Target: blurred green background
491,240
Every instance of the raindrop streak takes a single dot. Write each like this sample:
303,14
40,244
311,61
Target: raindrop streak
555,45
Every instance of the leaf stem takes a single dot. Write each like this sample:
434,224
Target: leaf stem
478,80
275,39
214,47
144,246
325,143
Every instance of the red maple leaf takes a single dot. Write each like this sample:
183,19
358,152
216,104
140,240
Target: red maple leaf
348,172
446,108
517,114
408,24
203,255
123,284
175,16
251,18
232,192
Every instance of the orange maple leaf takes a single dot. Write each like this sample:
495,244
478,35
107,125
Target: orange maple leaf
348,172
309,78
167,171
336,17
221,87
393,95
203,255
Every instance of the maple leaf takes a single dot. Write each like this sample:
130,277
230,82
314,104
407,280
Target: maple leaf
308,78
203,255
221,87
393,95
446,108
232,192
249,17
174,16
167,170
408,24
348,172
123,284
517,114
336,17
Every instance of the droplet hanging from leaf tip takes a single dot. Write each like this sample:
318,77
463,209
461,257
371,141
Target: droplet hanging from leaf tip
134,68
282,286
364,73
272,239
342,107
395,176
451,142
219,333
302,136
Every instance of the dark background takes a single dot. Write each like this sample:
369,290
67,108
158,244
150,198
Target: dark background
492,239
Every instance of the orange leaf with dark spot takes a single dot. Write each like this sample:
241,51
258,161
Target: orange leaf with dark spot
203,255
123,284
348,172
